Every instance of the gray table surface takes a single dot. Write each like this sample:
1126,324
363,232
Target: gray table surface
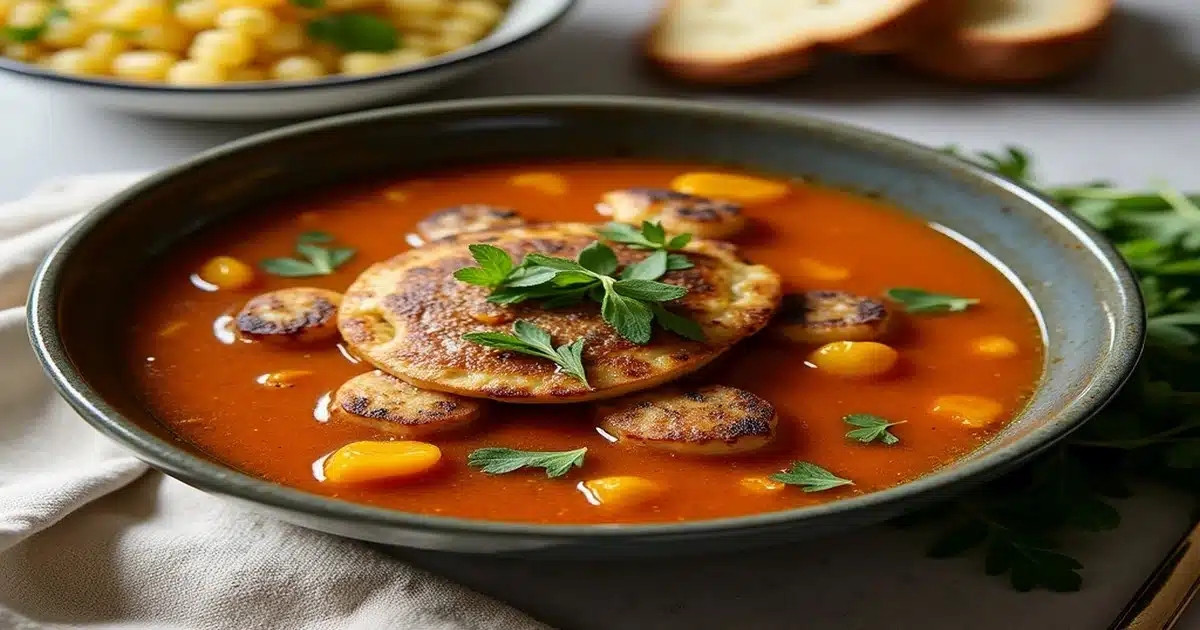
1134,119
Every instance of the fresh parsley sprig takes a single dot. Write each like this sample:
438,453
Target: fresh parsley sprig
1150,431
528,338
810,477
922,301
317,260
650,236
631,304
871,428
499,460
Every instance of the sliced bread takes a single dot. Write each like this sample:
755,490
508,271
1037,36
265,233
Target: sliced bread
1015,41
749,41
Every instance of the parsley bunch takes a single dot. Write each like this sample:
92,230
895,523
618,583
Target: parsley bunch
1150,431
499,460
630,303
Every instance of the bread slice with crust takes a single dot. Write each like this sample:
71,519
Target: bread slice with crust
750,41
1015,41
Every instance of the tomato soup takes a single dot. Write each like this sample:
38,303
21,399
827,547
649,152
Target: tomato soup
961,370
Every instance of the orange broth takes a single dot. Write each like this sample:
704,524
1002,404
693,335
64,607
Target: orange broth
205,390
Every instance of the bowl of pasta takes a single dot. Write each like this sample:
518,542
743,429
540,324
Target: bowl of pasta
259,59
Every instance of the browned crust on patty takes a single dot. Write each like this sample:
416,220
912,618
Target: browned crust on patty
823,309
694,417
472,217
407,316
294,314
393,406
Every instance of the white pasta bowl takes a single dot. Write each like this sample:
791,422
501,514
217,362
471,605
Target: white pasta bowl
523,22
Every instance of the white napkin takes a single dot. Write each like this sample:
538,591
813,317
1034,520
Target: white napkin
89,538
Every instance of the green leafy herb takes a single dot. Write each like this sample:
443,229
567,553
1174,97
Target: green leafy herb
630,317
25,34
650,236
527,338
495,265
630,304
355,32
315,237
598,259
871,428
810,477
682,326
1150,431
22,34
316,260
498,461
922,301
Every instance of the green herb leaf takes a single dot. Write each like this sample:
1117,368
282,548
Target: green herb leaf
570,357
22,34
495,265
317,260
810,477
630,317
678,262
318,256
652,268
677,324
550,262
624,233
649,290
654,233
314,237
650,236
679,242
498,461
922,301
289,267
528,338
626,304
598,258
355,32
871,428
531,277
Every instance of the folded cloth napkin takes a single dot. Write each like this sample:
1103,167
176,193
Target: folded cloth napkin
90,537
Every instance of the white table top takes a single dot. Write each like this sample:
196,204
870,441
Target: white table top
1134,119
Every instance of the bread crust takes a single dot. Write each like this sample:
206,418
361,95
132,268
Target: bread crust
892,33
974,56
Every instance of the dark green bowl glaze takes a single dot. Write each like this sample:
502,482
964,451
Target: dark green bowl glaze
1086,298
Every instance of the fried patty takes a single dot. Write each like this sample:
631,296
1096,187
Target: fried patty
392,406
295,315
407,316
711,420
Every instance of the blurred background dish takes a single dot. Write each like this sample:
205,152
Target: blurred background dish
259,59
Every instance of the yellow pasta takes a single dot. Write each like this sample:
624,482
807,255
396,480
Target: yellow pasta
209,42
